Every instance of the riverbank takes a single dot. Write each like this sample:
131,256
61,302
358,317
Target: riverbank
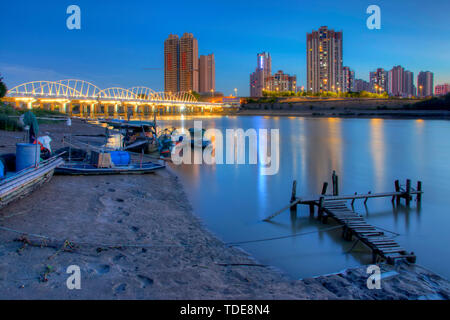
342,107
137,237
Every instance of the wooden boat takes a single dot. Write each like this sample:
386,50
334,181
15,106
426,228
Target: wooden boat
84,168
17,185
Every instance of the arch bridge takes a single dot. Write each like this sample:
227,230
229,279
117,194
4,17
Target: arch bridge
82,98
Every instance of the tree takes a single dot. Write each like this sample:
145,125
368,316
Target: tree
3,88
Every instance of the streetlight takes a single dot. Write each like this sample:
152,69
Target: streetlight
235,92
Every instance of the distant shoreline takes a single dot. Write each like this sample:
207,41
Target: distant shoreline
343,108
358,114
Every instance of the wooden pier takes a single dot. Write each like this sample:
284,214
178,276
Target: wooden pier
337,208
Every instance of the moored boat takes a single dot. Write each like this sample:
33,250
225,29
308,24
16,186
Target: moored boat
108,162
16,185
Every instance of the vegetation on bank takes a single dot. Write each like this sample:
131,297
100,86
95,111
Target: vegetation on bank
326,94
435,103
9,117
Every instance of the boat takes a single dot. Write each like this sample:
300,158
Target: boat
16,185
31,166
83,168
106,163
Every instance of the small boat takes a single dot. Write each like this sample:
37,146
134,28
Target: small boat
109,162
16,185
83,168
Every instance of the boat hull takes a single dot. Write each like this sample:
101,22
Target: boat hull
88,169
22,184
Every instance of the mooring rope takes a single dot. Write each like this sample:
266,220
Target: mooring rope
283,237
229,244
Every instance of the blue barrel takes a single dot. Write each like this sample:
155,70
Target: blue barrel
27,155
120,158
2,169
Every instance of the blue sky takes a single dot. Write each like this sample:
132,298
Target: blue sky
118,40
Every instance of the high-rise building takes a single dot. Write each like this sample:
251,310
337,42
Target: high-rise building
188,63
408,90
207,73
348,79
324,60
425,84
379,81
258,79
361,85
396,81
171,53
442,89
281,82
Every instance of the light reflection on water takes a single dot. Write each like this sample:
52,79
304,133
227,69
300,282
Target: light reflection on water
367,154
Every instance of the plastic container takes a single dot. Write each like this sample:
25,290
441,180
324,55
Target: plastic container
2,170
120,158
27,155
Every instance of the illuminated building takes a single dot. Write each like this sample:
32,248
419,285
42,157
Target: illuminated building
207,74
324,60
425,84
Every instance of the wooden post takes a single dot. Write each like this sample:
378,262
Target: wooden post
311,210
294,196
320,211
419,189
324,188
337,185
365,201
397,189
408,191
333,181
353,200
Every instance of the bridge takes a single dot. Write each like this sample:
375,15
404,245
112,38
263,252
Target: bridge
84,99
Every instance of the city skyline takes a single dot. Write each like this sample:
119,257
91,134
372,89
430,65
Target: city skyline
128,51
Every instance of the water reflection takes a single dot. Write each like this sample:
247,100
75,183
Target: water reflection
367,155
377,149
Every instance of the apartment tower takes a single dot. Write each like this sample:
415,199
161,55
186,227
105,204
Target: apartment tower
188,63
259,78
171,53
207,73
324,60
425,84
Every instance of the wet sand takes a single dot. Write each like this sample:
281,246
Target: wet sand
137,237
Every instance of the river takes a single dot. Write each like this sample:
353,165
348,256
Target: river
367,155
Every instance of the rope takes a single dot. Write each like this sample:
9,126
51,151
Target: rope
230,244
283,237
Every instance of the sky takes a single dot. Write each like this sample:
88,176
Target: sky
121,43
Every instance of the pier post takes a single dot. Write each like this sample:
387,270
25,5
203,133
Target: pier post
334,179
419,189
320,210
408,191
311,210
353,200
324,188
397,189
294,196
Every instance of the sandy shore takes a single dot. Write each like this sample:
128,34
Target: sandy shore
137,237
